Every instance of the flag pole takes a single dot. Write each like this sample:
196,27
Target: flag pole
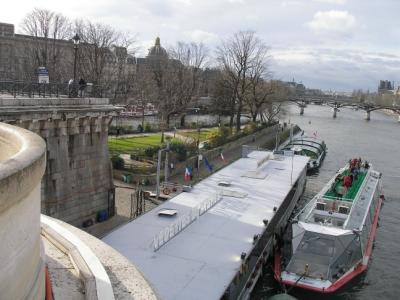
158,174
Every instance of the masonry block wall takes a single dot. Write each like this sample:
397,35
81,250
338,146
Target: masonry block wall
77,184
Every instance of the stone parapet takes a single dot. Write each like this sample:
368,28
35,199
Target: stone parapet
22,164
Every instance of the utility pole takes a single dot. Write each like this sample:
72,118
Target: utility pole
76,40
198,142
166,163
291,132
158,173
159,169
142,112
277,137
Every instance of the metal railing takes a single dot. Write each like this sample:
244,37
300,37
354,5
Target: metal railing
169,232
47,90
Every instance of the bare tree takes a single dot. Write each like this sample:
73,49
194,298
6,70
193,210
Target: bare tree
175,78
274,104
237,56
259,89
224,97
47,28
192,58
97,63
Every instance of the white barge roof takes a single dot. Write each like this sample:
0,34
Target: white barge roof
201,260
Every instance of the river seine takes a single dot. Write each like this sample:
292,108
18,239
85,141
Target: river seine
378,141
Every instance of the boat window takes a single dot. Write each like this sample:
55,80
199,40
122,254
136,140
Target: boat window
343,209
317,245
320,206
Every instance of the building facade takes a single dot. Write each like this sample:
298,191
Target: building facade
22,55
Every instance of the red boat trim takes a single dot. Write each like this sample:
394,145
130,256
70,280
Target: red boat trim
344,279
277,266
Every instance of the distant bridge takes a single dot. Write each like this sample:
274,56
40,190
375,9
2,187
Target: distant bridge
337,102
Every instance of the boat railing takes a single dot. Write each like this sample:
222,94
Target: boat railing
169,232
338,198
322,193
307,209
360,190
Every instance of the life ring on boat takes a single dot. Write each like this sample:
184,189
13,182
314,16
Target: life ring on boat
166,191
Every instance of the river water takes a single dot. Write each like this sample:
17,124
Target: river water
378,141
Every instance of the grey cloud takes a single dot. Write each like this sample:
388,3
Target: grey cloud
343,69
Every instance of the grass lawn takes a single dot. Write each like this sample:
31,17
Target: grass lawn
204,132
132,144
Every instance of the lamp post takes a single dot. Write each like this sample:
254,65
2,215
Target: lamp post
76,40
197,111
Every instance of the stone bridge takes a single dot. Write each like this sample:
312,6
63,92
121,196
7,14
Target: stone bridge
77,184
336,102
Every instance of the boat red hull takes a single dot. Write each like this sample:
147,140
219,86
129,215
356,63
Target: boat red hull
357,270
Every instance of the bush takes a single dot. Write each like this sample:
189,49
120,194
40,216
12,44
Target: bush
250,128
117,162
218,138
224,131
180,149
140,128
147,127
151,151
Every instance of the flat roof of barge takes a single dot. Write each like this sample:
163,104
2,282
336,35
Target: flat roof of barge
202,259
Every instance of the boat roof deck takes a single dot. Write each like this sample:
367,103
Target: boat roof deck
352,191
202,259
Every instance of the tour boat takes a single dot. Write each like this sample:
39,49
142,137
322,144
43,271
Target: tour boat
308,146
330,240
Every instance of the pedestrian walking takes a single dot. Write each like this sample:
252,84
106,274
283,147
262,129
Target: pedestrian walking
82,86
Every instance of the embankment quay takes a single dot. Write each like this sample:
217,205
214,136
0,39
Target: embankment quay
78,179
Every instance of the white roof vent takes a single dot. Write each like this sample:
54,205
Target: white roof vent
167,212
224,183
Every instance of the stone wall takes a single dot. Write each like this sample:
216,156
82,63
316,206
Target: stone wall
78,180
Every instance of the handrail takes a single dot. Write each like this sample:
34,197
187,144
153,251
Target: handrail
169,232
42,90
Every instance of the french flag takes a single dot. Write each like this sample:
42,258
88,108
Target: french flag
187,174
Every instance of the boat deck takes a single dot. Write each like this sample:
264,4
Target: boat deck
352,191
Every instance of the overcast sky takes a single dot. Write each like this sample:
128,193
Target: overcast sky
328,44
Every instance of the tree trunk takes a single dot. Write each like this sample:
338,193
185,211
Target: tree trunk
231,121
183,120
239,113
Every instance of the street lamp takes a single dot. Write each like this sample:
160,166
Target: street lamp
76,40
197,111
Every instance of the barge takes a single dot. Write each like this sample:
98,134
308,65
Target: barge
309,146
212,241
330,241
